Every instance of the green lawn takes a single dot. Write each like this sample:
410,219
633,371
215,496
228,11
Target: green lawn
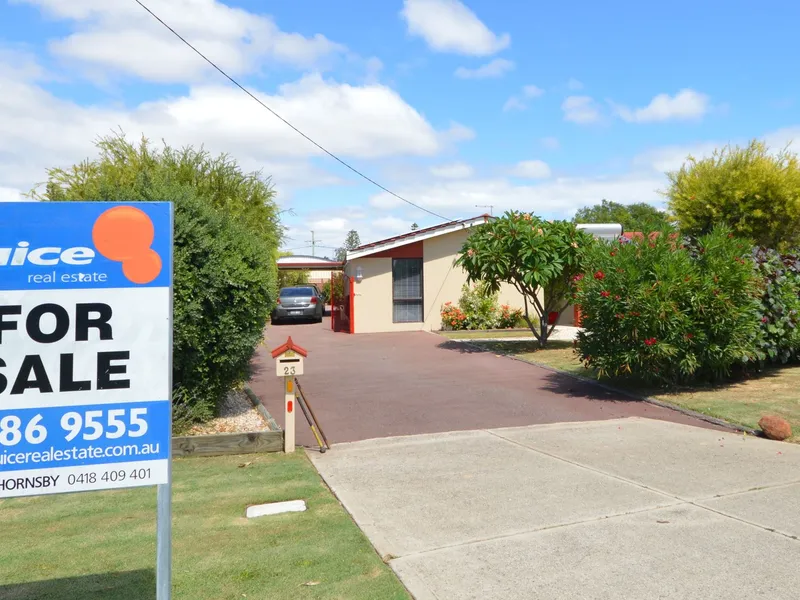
101,545
743,402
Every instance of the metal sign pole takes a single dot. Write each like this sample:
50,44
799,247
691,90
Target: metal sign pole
164,493
164,542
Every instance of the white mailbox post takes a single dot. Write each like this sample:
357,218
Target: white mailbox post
288,363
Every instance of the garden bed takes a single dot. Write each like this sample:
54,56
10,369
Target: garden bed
487,333
236,415
742,402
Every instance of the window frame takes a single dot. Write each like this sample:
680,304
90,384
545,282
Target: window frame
421,298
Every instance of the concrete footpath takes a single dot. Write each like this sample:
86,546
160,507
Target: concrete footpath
624,509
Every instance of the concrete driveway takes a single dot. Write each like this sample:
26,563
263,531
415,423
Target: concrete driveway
625,509
379,385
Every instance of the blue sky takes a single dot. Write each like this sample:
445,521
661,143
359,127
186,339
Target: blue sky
518,104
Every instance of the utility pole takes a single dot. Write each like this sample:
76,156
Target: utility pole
313,243
489,206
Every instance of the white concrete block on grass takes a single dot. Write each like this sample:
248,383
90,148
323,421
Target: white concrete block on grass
275,508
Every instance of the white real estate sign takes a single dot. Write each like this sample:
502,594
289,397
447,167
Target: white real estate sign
85,346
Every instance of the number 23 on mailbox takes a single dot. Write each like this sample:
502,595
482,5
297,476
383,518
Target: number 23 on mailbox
289,359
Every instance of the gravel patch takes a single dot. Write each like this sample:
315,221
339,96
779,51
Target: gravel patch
236,415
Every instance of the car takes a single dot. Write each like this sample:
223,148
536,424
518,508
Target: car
299,302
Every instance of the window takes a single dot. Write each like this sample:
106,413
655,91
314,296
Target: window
297,292
407,290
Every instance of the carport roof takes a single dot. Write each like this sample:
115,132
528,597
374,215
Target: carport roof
305,262
415,236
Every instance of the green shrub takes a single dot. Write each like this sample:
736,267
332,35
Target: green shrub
666,312
325,292
292,278
780,304
478,309
224,270
224,293
479,305
754,191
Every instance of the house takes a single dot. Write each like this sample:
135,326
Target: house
401,283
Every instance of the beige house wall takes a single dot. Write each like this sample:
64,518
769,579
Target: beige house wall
441,280
319,275
372,300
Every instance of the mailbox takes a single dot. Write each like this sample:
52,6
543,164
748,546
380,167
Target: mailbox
289,364
289,359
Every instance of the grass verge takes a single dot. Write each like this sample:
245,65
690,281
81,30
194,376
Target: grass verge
101,545
744,402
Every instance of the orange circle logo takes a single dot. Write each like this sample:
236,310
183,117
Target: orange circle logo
124,234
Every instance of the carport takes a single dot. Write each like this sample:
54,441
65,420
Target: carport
341,299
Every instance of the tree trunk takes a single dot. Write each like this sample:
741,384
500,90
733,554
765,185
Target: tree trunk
544,331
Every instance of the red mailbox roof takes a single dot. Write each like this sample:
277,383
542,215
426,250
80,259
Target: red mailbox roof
289,345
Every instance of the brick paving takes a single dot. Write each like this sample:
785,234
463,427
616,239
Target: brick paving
387,384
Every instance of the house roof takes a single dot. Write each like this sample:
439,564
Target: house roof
289,345
416,236
305,262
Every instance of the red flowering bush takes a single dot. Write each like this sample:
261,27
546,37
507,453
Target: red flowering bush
669,313
509,318
453,318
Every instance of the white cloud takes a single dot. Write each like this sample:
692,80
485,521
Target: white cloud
449,26
496,68
531,169
335,224
39,130
580,109
558,198
373,67
671,158
10,195
457,133
122,37
532,91
574,85
391,224
516,103
783,138
452,171
550,142
686,105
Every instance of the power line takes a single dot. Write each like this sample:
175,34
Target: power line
246,91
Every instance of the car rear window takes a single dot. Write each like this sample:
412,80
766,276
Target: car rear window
295,292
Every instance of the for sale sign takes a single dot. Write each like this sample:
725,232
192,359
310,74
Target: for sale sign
85,346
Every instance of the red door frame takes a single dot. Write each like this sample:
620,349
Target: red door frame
352,305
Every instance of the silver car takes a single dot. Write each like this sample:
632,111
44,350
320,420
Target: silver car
298,303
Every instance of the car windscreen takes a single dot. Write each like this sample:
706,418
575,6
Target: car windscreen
296,292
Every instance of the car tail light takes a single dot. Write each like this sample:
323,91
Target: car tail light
313,299
279,300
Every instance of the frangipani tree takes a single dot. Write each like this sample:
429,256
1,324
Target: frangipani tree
541,259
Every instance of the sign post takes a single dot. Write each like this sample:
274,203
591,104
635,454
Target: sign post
86,351
288,363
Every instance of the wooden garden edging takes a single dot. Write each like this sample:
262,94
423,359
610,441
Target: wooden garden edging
227,443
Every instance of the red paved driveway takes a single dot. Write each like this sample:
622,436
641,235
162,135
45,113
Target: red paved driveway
386,384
